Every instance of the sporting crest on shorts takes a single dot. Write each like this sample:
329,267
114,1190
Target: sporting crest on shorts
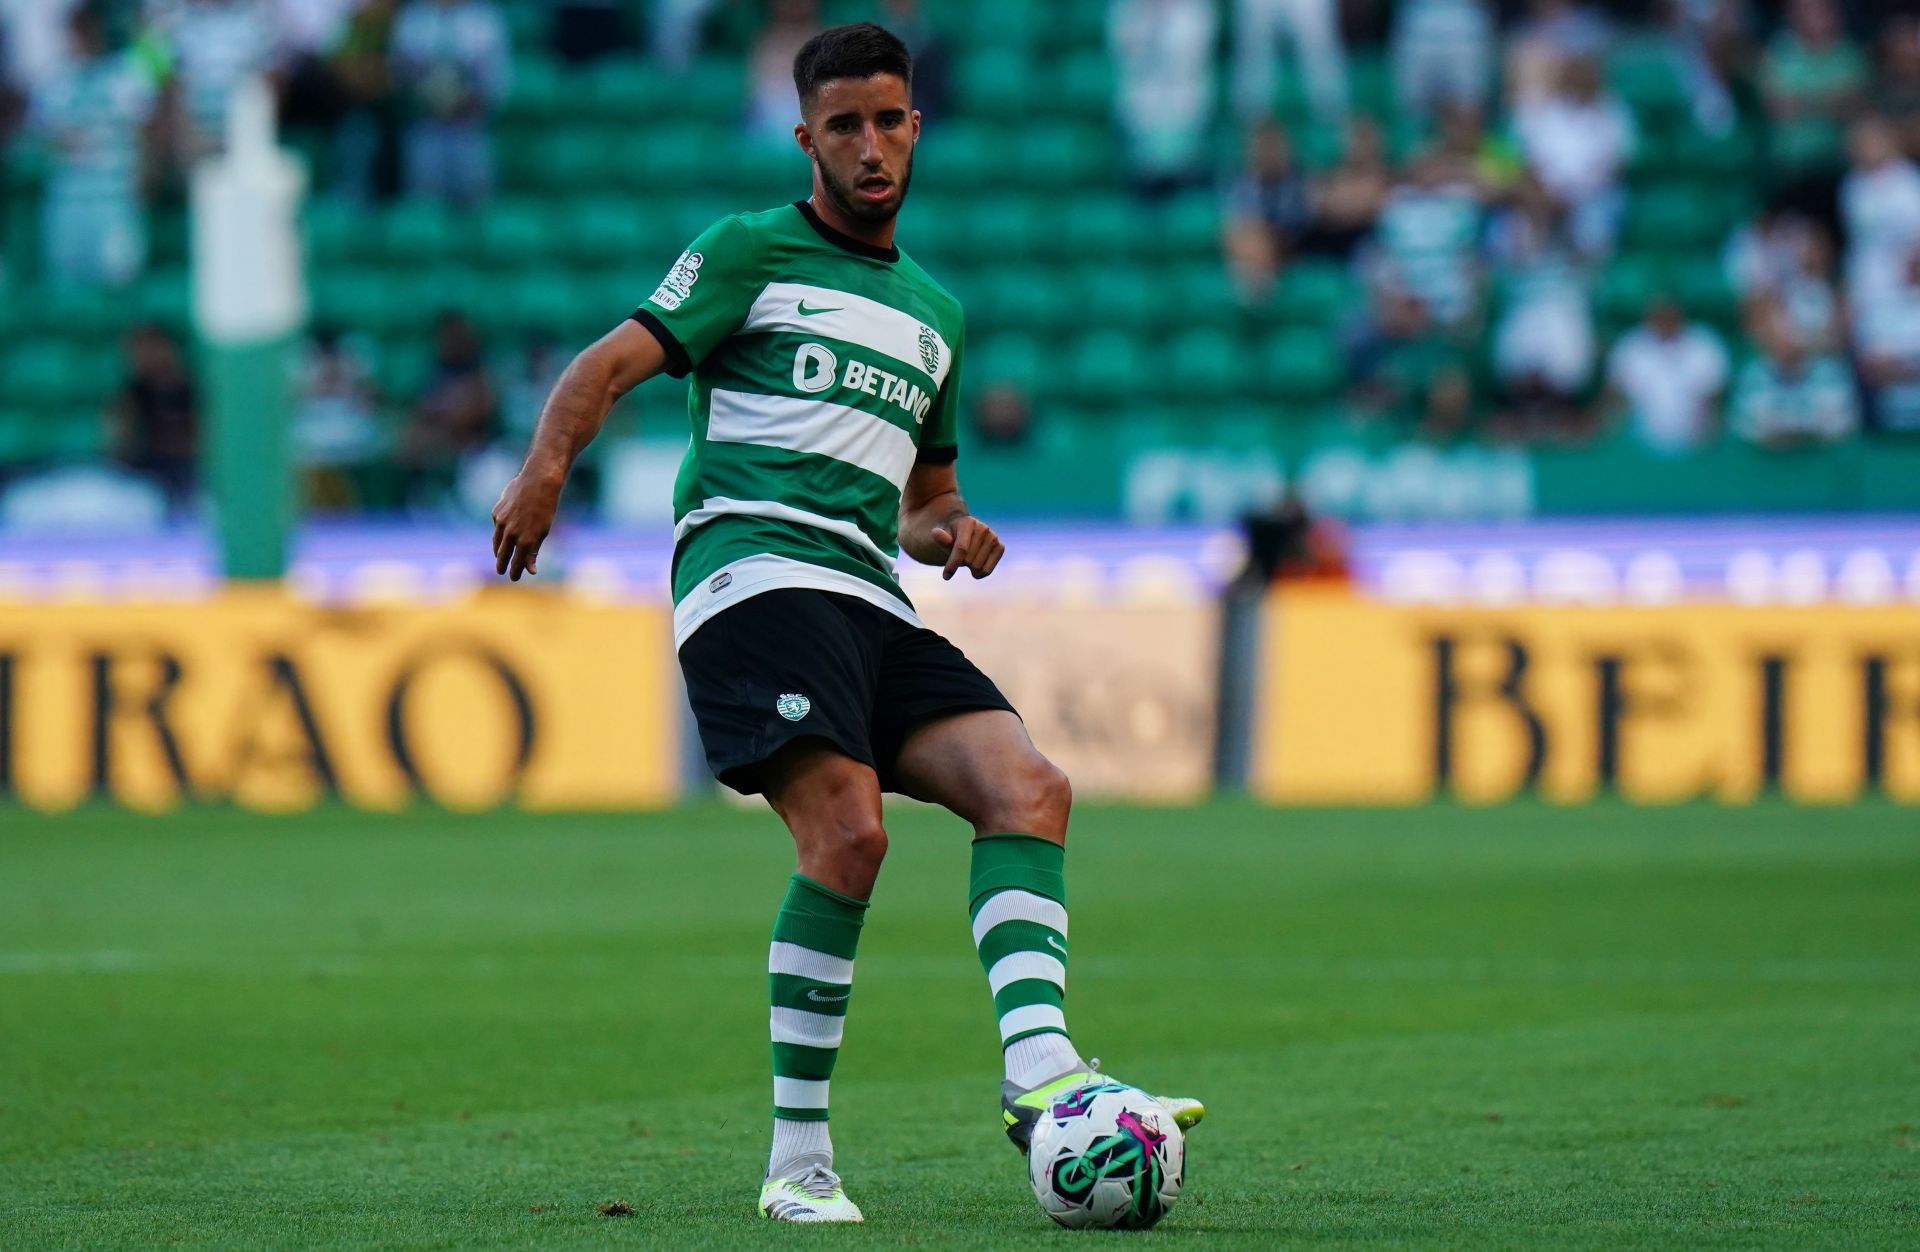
793,707
929,350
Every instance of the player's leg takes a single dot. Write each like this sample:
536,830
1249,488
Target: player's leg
781,685
981,765
831,804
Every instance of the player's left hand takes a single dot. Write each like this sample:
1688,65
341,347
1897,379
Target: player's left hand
971,544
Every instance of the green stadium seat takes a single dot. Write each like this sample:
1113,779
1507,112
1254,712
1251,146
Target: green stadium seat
1083,80
603,231
1627,286
1302,364
1013,359
1199,293
1677,218
1005,228
165,295
1205,365
1019,298
48,374
1118,295
516,233
1190,225
415,232
403,368
1315,292
86,314
18,442
1646,77
996,80
712,88
1108,365
1104,226
572,160
541,90
80,435
625,90
336,231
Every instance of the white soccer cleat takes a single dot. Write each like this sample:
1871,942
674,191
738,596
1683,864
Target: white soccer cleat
814,1195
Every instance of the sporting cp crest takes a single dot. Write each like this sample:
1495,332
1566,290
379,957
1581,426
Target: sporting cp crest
793,707
929,350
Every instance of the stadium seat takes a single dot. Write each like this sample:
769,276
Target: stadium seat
601,231
994,80
1121,296
415,232
1205,364
515,233
48,374
1108,365
165,295
1301,363
1314,292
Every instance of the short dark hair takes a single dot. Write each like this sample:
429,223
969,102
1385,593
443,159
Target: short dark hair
856,50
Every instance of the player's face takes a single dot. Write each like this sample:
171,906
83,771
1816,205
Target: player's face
860,133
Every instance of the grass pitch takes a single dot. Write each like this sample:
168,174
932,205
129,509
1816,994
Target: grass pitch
1517,1027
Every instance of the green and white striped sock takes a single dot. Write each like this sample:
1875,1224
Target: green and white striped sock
1018,897
809,976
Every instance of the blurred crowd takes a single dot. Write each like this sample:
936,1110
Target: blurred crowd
1474,218
1481,229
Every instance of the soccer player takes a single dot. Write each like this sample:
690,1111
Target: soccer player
825,407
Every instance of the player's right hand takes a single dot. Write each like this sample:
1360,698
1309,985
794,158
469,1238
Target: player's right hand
521,521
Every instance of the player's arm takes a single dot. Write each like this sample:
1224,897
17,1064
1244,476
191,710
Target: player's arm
936,529
623,359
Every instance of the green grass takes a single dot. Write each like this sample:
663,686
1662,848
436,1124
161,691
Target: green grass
1516,1027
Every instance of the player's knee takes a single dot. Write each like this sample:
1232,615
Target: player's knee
1034,800
860,842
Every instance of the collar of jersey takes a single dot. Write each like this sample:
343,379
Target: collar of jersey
841,240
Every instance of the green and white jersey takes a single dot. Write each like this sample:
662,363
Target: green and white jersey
823,369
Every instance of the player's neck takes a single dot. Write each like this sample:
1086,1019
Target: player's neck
877,234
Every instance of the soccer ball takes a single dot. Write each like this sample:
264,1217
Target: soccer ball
1106,1156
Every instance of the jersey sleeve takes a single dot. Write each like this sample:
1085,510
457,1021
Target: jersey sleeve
704,297
940,437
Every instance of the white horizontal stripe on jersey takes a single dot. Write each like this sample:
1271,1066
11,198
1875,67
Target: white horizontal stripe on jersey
801,1093
791,958
1019,906
815,1030
764,571
1022,966
845,316
722,506
801,424
1018,1021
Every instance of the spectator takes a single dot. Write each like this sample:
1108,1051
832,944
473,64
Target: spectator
677,26
1880,209
1887,344
1164,84
453,59
1553,33
1711,48
1801,305
310,31
1473,158
1427,240
1786,398
1269,209
525,393
1543,345
1760,255
95,114
154,422
1443,53
1896,89
1814,79
1405,368
35,42
771,111
215,44
1312,27
455,416
361,64
1348,198
336,427
932,64
1003,416
1576,141
1669,374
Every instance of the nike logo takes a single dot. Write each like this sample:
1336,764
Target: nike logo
807,312
813,993
1056,945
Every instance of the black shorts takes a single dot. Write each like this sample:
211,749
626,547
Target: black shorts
797,663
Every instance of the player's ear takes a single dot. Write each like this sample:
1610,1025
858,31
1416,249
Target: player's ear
916,125
803,137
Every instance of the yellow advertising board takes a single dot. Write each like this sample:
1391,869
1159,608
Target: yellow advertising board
1368,702
1119,695
507,698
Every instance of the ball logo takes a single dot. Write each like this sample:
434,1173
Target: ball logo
929,350
793,707
815,368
